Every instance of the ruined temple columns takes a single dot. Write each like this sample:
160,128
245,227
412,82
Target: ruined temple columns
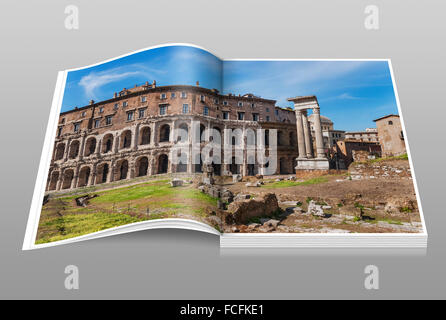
307,134
300,135
306,159
318,133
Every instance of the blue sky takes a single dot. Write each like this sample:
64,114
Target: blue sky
350,93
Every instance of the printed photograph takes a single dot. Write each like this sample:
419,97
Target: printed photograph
244,146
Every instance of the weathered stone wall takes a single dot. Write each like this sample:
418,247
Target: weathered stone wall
145,144
391,137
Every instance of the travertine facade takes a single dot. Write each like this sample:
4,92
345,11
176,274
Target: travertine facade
136,133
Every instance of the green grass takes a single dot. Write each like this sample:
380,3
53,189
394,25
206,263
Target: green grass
138,191
62,219
400,157
290,183
74,225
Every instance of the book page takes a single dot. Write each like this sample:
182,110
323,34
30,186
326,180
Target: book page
120,152
324,151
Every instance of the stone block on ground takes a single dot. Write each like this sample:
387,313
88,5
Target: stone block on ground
176,182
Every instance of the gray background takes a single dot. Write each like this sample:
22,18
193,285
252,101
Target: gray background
181,264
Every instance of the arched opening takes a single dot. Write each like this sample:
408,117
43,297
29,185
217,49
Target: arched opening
126,139
165,133
123,168
282,166
84,175
202,135
215,135
252,167
90,146
107,143
217,168
142,164
60,149
293,140
183,133
198,167
280,138
251,138
163,163
234,167
53,180
181,160
74,149
67,178
102,173
145,134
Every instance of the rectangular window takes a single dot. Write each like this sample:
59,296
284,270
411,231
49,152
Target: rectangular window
253,105
185,108
225,103
108,120
202,98
59,131
267,109
143,99
255,117
125,104
130,116
173,95
216,101
267,118
183,95
141,113
241,115
206,111
163,109
97,123
116,106
77,127
83,114
101,109
163,96
277,112
240,104
225,115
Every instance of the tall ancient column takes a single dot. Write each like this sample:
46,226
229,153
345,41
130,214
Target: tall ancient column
318,133
300,135
307,134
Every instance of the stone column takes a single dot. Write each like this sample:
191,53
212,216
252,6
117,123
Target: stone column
116,142
300,135
82,146
75,177
318,133
136,137
93,173
59,180
307,135
67,150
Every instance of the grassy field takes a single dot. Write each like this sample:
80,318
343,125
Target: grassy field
61,218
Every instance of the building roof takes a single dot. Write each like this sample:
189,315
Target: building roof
388,116
323,118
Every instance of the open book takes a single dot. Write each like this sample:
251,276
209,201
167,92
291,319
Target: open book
262,153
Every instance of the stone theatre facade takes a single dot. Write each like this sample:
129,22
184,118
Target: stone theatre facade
134,133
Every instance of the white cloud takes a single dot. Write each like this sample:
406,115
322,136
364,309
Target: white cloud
93,82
